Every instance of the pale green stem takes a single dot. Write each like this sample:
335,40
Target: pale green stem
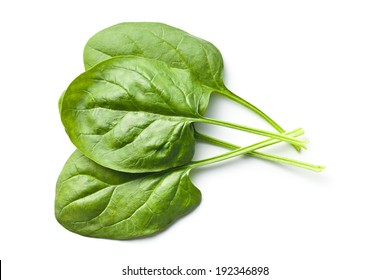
295,133
224,144
278,136
227,93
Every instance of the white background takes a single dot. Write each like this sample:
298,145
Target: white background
320,65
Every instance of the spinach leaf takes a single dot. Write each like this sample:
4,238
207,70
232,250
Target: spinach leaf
161,42
95,201
134,114
176,47
134,110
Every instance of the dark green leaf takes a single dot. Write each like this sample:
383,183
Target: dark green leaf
158,41
175,47
95,201
134,114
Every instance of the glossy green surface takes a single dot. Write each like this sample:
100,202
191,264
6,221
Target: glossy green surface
131,116
95,201
159,41
134,114
171,45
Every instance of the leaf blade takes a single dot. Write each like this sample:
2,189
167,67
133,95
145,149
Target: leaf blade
159,41
127,206
133,114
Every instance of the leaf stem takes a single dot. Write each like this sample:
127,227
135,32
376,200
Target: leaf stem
218,142
227,93
265,133
268,142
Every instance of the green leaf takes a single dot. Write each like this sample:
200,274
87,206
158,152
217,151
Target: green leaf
95,201
161,42
175,47
132,114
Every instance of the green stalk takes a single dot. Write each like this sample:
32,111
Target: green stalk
225,156
295,133
227,93
281,137
200,136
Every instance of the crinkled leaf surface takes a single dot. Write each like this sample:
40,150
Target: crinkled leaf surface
95,201
133,114
176,47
